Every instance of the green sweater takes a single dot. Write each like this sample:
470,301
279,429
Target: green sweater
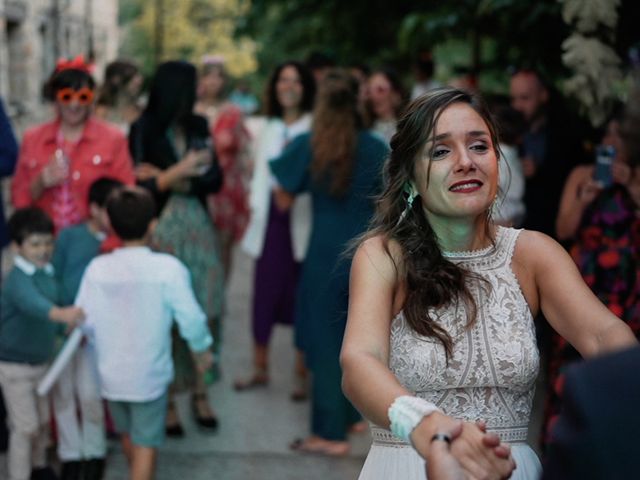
26,333
76,246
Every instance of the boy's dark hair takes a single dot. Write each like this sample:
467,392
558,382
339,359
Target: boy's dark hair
101,188
28,221
131,210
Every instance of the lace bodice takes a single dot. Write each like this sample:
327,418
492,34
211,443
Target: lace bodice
494,365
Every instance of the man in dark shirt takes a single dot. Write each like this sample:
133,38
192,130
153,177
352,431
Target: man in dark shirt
551,147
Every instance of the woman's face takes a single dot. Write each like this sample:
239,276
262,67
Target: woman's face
74,106
382,97
289,89
463,181
211,84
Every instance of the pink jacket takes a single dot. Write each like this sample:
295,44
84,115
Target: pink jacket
102,151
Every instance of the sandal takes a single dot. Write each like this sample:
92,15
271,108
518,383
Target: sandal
258,380
206,420
173,428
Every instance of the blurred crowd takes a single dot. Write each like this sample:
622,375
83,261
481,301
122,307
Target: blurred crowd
290,179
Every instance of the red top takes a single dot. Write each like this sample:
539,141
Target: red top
102,151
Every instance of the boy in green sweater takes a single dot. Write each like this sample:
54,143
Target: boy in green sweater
29,318
82,444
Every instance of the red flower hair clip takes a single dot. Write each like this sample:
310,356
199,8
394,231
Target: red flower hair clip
76,63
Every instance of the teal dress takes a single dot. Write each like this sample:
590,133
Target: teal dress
322,299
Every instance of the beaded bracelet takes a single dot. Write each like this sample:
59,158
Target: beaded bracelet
406,412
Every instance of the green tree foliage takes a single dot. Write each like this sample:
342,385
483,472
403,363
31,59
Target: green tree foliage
517,32
158,30
350,32
479,36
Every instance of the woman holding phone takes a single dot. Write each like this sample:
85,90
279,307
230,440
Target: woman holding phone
172,150
599,215
585,182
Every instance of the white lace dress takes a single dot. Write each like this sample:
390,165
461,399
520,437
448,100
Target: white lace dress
491,375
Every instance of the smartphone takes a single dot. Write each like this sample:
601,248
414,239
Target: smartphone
199,144
605,155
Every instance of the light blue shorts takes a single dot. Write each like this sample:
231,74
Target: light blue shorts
142,421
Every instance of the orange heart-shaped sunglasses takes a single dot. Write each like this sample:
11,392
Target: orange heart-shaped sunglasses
83,96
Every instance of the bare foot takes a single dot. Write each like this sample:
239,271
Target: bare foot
321,446
359,427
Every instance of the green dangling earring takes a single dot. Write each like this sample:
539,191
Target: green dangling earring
412,193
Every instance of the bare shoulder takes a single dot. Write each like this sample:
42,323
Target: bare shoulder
380,254
537,249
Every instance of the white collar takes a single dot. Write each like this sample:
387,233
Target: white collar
99,235
29,268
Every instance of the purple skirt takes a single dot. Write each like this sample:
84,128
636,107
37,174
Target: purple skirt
276,277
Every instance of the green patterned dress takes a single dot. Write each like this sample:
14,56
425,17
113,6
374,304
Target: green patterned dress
185,231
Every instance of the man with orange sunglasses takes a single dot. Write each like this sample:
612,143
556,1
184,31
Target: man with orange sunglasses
59,160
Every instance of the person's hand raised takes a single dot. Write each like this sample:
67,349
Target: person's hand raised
56,171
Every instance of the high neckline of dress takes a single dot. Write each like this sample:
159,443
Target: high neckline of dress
481,252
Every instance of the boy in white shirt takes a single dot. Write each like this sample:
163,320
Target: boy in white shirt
131,298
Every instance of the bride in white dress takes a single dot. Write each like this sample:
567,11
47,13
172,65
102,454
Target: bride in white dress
440,331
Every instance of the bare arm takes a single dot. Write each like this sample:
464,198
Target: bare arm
578,192
367,380
566,301
189,166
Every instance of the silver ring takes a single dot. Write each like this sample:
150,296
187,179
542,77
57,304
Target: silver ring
443,437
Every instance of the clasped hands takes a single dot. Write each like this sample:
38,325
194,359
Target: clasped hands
473,454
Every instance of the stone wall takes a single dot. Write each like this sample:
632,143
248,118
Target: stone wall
35,33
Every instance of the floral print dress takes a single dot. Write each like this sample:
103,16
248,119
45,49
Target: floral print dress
607,252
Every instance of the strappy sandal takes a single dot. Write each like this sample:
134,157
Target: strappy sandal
207,421
173,429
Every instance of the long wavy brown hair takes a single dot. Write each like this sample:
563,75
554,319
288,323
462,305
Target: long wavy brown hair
432,280
334,133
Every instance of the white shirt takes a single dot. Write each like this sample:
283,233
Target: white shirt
130,298
510,206
273,138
